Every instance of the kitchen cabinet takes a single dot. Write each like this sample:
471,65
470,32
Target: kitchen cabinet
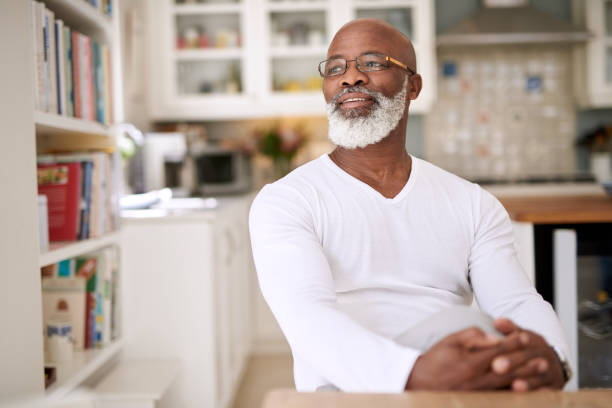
189,296
258,58
593,61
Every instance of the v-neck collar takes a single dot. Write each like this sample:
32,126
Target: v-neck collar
365,186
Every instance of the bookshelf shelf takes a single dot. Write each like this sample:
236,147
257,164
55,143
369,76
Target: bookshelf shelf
54,124
59,251
83,364
82,16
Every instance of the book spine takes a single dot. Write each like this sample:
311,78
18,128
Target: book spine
85,212
89,73
35,46
52,62
83,80
76,75
46,59
60,58
108,85
98,82
69,92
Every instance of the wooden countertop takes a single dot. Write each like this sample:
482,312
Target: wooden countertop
502,399
560,209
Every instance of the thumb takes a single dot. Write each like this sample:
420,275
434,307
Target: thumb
505,326
467,337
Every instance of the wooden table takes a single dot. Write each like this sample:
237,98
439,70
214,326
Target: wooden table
421,399
560,209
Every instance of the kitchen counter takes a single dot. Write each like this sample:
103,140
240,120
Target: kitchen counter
540,399
559,209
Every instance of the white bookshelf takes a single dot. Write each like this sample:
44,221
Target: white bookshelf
29,132
51,123
83,364
59,251
80,14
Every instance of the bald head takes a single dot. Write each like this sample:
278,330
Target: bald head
390,40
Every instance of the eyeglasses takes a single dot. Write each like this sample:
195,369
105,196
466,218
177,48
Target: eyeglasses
365,63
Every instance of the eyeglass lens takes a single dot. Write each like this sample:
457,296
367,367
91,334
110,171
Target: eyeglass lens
365,63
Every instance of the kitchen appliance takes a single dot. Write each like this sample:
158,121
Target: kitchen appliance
511,22
163,156
219,170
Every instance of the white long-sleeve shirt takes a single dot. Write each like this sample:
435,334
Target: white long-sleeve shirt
346,270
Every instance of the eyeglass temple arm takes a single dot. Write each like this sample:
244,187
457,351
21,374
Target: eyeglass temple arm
396,62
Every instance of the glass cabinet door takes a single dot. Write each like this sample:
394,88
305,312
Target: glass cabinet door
208,47
298,36
608,40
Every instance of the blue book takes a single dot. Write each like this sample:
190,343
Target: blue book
98,69
65,268
87,167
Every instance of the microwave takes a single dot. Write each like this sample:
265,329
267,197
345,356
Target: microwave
219,171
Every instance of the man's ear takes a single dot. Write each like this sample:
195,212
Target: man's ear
416,84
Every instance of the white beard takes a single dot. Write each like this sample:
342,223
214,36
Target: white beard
362,131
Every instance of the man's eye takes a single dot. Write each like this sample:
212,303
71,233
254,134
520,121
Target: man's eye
373,64
334,69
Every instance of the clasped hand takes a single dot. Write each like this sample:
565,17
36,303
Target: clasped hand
473,360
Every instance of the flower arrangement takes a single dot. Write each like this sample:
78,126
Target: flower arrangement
281,143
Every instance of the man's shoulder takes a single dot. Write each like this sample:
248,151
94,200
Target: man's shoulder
439,176
296,185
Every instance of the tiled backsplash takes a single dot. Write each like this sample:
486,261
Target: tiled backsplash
503,112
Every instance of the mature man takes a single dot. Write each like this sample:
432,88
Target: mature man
368,256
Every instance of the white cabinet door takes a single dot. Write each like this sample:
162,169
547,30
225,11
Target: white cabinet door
593,61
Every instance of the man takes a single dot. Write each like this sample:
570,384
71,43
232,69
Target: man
368,256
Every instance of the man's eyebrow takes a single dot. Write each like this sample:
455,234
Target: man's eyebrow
363,53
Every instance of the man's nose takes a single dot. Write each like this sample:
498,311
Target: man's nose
353,76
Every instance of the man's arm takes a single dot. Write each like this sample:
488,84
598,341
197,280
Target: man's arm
296,281
502,289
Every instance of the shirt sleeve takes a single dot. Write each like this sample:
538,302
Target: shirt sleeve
297,283
500,284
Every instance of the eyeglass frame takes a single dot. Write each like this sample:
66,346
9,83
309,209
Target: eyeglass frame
387,59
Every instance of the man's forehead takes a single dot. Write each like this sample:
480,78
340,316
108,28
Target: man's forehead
360,38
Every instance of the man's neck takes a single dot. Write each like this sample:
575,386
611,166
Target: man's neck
385,166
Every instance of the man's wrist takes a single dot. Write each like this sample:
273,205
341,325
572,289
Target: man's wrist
565,366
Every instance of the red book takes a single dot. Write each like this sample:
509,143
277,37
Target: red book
61,183
76,80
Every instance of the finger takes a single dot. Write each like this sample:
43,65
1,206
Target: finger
465,336
480,343
535,366
530,383
505,325
511,361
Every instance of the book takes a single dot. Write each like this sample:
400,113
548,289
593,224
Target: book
87,167
87,267
61,183
60,70
99,88
68,74
76,76
39,58
86,78
66,295
51,62
108,100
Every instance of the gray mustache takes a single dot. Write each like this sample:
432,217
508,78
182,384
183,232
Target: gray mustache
375,95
